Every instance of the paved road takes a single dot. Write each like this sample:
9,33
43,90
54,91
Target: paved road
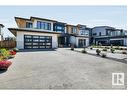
60,69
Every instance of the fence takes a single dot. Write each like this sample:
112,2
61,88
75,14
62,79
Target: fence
7,44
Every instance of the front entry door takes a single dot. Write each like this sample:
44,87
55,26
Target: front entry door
81,42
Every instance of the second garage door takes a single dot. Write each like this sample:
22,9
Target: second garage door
37,42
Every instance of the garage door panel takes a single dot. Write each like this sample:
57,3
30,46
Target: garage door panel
37,42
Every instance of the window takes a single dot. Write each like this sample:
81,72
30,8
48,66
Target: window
74,30
107,32
99,33
43,25
48,26
38,24
59,27
84,32
125,32
28,36
29,25
35,36
94,34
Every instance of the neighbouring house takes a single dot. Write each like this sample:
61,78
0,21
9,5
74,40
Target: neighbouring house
109,35
1,34
79,35
35,33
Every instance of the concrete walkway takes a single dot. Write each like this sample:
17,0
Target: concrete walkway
60,69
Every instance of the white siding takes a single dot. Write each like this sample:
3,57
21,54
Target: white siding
20,38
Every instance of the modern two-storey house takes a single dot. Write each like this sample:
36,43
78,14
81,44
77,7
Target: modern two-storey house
40,33
109,35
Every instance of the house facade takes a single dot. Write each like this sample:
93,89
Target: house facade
109,35
40,33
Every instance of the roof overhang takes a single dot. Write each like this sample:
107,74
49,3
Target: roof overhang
14,31
42,19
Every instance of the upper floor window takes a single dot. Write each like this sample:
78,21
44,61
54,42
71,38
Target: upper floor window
94,34
107,32
74,29
43,25
29,25
116,33
125,32
84,32
99,33
59,27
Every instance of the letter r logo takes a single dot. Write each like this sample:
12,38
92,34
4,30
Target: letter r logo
117,78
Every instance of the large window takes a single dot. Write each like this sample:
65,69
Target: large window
116,33
125,32
74,29
59,27
29,25
43,25
84,32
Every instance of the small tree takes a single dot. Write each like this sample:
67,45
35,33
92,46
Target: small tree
84,50
72,46
98,52
112,50
111,46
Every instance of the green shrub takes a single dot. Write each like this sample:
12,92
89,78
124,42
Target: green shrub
4,53
111,46
112,50
103,55
124,52
72,46
91,48
98,52
105,49
15,49
84,51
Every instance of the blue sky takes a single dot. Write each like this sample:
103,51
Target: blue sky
115,16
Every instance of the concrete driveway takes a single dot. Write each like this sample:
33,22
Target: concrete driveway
61,69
